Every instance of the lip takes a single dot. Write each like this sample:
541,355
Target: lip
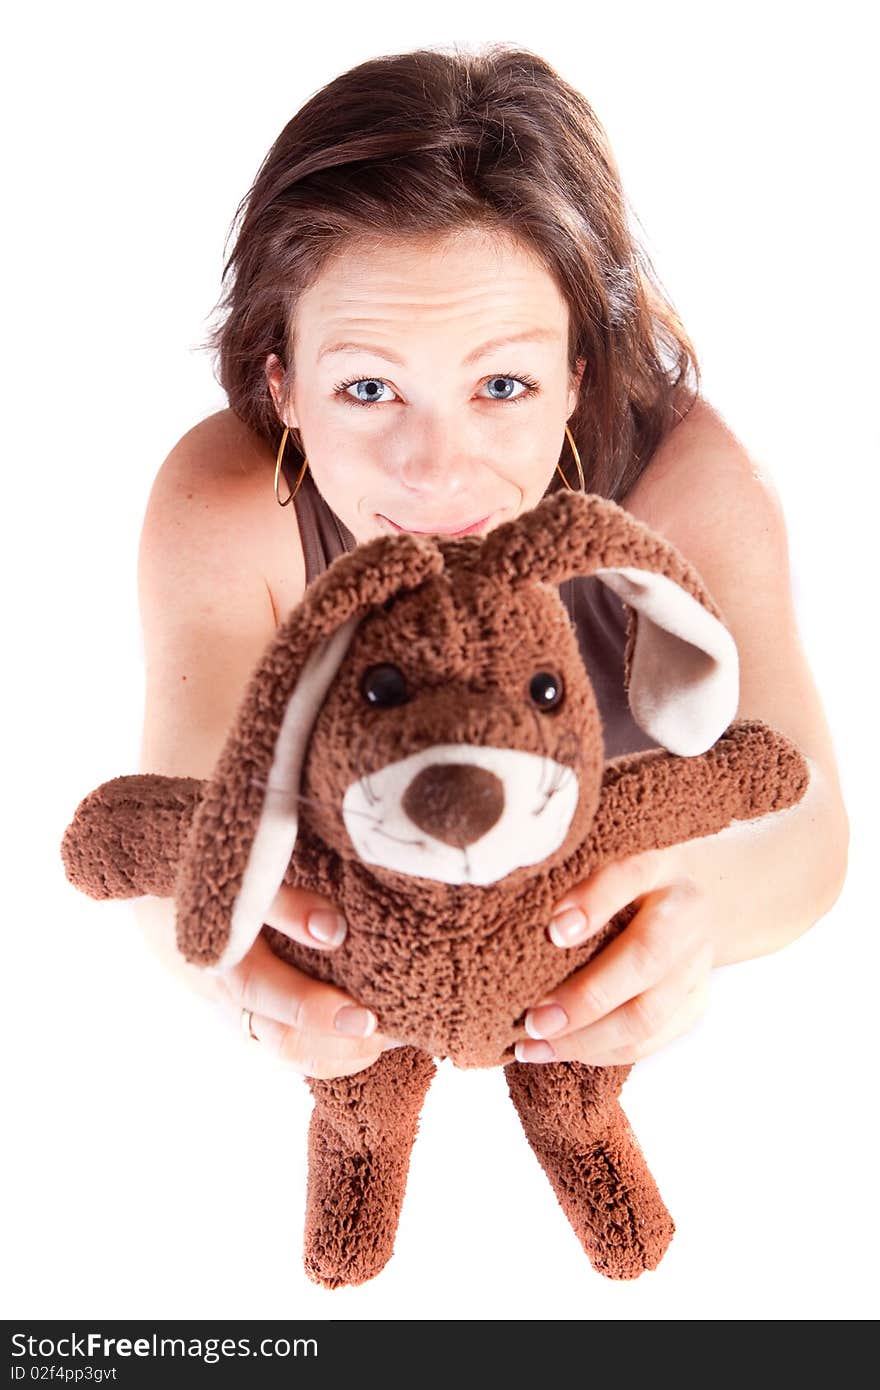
439,530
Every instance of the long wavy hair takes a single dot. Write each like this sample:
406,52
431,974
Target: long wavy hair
432,141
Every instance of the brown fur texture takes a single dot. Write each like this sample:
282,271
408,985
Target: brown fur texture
480,689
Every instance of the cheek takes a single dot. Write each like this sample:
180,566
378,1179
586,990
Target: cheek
534,441
344,469
530,470
349,481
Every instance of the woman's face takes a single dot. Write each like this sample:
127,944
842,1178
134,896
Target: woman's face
412,413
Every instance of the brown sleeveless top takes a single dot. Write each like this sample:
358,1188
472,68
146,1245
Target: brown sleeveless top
597,615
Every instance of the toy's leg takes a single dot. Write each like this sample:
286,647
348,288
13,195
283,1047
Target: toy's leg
360,1137
573,1121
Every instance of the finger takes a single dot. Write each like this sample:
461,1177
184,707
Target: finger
596,899
644,953
640,1026
306,917
685,1018
317,1055
271,987
647,1022
690,1011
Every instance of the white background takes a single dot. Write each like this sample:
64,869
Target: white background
154,1161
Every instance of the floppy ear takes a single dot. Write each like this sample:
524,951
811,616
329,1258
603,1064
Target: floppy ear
243,832
682,664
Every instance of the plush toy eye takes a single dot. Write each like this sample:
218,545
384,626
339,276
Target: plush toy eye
545,689
384,685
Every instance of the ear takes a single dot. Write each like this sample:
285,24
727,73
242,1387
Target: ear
682,663
274,372
575,377
244,830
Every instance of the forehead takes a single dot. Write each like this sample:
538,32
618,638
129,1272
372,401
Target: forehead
461,284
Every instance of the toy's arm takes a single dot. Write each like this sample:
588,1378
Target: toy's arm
126,836
655,799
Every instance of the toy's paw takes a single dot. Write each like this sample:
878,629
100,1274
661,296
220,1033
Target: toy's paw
125,836
352,1211
587,1148
360,1137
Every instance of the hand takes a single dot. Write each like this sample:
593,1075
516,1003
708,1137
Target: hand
647,986
316,1027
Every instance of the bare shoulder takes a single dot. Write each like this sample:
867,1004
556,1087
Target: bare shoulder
701,475
210,535
708,494
217,484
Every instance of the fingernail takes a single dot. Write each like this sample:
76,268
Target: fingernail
325,926
545,1021
534,1052
354,1021
569,927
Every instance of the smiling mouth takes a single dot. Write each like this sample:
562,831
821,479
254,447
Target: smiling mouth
437,530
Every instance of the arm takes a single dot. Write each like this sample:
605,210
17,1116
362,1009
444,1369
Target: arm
751,888
206,616
768,883
655,799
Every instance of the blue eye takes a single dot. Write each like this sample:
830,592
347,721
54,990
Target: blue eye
505,384
373,386
371,395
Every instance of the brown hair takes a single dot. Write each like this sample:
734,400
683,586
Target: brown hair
426,143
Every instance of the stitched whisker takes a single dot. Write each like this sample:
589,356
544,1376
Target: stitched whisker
569,750
370,794
377,830
350,811
542,736
309,800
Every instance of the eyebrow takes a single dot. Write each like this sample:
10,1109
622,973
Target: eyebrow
533,335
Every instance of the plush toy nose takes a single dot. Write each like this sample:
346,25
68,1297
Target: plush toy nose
455,802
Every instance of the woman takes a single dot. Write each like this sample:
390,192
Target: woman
437,299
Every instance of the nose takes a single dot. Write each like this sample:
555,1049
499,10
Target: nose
437,467
455,802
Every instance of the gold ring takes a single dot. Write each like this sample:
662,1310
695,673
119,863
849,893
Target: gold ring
247,1016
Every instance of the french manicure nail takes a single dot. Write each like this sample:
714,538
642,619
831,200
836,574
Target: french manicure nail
325,926
354,1021
570,927
534,1052
543,1022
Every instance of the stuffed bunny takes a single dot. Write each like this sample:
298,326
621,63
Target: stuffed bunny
420,743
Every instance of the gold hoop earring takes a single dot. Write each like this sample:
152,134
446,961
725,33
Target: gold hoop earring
278,471
577,459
